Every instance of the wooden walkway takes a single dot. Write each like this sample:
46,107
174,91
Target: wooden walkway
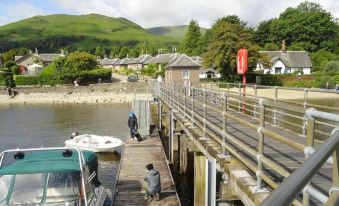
130,186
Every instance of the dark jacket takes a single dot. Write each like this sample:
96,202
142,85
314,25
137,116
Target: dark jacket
153,179
133,122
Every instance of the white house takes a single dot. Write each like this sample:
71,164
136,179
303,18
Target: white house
208,73
286,62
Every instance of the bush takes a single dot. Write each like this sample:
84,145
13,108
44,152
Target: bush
266,79
14,69
9,64
48,76
6,79
26,80
92,76
126,71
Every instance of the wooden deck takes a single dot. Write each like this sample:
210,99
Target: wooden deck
130,187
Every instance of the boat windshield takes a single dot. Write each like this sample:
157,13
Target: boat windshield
40,188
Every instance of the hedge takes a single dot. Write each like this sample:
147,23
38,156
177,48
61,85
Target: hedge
50,77
26,80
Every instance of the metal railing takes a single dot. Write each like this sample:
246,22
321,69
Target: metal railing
297,181
198,105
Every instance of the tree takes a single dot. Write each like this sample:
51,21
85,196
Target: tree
308,23
320,59
115,51
227,38
271,47
123,52
100,51
80,61
332,67
262,34
192,44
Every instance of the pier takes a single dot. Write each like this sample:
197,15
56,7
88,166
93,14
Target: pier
239,149
130,188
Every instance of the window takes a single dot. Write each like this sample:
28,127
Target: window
185,74
277,70
287,71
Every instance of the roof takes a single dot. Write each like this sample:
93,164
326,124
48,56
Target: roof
48,161
107,61
143,58
294,59
161,59
17,58
183,61
123,61
43,57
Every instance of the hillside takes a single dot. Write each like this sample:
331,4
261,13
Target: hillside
177,32
51,32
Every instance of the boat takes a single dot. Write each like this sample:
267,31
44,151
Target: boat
51,176
94,143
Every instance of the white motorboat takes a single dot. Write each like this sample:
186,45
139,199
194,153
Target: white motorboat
94,143
51,176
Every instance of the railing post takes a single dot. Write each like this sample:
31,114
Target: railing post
305,106
335,178
255,115
205,112
228,94
160,114
259,188
239,100
310,144
224,124
275,107
192,102
185,91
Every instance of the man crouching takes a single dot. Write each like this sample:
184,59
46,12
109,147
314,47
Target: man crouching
152,177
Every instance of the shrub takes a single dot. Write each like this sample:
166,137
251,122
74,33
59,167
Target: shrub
6,79
92,76
14,69
48,76
26,80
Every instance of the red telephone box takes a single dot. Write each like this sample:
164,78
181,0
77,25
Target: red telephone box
242,67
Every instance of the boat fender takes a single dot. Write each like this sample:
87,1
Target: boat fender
19,155
67,153
74,134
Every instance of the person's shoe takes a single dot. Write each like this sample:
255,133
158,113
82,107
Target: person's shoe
157,196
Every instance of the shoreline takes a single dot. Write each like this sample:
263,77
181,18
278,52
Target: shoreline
73,98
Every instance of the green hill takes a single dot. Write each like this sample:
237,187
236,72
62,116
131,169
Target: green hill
50,33
177,32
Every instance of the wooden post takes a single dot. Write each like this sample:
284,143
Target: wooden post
205,112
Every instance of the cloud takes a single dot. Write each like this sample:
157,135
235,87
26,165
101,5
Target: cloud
12,13
151,13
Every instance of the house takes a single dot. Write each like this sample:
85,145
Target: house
139,63
36,58
182,69
208,73
286,62
161,59
205,73
107,63
121,63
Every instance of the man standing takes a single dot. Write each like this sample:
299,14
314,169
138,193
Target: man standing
152,177
133,124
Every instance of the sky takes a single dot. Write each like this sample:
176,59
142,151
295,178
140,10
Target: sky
152,13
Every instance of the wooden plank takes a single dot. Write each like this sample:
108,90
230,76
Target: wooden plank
131,182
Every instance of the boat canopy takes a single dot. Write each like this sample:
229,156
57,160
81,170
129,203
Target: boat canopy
48,161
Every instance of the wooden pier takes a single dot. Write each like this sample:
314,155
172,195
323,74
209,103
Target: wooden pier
130,188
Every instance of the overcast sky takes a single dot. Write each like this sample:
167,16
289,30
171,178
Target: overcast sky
152,13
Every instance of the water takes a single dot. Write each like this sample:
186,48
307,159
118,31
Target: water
26,126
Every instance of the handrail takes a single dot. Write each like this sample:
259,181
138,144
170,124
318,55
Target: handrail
203,101
291,187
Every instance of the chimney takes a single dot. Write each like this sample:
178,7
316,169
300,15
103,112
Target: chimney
36,51
62,52
283,47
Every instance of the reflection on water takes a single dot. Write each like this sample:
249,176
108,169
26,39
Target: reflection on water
26,126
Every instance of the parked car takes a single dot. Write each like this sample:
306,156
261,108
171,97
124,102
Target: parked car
132,78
